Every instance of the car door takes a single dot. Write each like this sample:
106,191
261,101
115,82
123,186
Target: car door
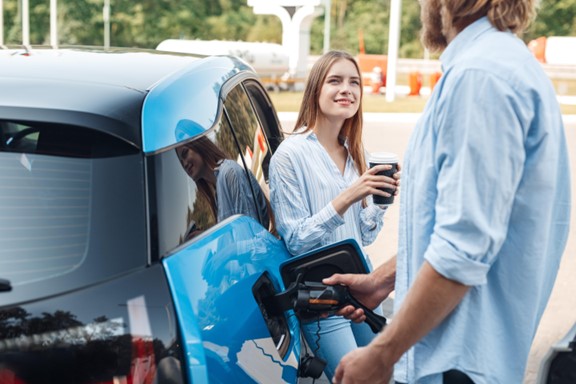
216,238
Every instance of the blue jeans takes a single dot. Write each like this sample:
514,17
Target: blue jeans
338,336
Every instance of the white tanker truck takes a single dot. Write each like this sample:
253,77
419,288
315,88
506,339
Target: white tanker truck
269,60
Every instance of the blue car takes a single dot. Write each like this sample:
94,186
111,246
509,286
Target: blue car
137,243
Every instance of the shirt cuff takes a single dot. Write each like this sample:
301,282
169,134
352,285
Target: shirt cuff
372,215
455,265
329,218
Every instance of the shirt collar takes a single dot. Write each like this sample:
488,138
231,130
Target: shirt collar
311,135
463,40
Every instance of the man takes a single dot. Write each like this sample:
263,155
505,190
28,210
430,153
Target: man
484,214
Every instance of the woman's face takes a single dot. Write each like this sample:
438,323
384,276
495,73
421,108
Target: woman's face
192,162
340,93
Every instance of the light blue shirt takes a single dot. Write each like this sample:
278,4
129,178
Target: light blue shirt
486,201
303,182
235,193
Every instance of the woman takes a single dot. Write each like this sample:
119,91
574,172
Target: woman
223,183
321,190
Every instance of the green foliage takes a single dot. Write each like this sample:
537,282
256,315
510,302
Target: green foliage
356,20
144,23
266,28
555,18
410,45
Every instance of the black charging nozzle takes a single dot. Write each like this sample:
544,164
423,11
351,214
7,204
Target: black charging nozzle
310,299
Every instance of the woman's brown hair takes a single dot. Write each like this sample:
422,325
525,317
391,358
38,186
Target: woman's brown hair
212,156
310,107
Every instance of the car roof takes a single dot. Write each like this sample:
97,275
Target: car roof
108,90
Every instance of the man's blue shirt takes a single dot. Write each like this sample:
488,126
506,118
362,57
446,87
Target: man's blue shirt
486,201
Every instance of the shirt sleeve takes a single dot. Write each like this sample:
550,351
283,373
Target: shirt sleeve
371,220
300,229
234,193
479,162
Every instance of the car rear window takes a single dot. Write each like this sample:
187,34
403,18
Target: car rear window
68,199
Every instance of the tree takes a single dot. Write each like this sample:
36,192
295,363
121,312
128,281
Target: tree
555,18
144,23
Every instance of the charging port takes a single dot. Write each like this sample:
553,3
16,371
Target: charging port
263,290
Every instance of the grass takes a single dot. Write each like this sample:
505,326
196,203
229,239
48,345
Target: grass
290,102
565,86
568,109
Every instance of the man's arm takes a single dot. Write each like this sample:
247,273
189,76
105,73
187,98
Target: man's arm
430,300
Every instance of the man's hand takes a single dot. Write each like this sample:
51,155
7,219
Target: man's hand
363,288
429,301
363,365
369,289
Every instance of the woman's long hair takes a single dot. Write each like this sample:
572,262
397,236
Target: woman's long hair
212,156
310,107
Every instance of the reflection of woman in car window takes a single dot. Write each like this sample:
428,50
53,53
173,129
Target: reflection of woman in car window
223,182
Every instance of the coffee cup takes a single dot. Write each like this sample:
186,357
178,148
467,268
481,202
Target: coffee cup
379,158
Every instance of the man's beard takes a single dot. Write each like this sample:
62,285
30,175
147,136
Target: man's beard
432,35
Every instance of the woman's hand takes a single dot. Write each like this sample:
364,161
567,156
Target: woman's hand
397,177
368,184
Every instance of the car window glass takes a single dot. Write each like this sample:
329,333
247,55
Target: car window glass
64,190
59,140
251,138
198,184
266,113
254,146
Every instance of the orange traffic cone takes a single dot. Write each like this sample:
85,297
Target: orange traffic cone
415,82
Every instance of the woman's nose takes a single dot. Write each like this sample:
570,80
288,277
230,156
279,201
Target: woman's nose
345,89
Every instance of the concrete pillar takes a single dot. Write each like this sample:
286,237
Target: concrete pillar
1,23
393,44
25,23
301,24
296,17
54,24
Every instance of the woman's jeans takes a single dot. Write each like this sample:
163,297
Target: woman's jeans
337,337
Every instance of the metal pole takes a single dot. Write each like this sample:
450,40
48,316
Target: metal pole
106,15
393,43
327,9
25,23
1,23
54,24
